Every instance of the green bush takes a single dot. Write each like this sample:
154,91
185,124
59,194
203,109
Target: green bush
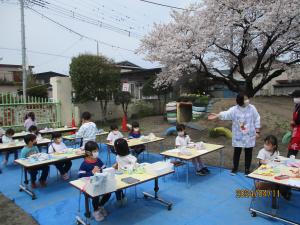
196,99
143,109
201,101
185,98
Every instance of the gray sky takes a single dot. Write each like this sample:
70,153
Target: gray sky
44,36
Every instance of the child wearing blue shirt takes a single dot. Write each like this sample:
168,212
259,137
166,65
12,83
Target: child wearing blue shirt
136,133
31,149
91,165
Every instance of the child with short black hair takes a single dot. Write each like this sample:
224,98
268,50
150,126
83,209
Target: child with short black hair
270,150
57,146
113,135
135,132
90,166
88,129
183,140
31,149
266,155
124,160
34,130
6,139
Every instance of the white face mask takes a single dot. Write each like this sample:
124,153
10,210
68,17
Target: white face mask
115,132
247,102
297,100
181,133
136,129
267,148
59,140
95,155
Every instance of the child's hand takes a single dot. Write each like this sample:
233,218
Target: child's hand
96,170
115,166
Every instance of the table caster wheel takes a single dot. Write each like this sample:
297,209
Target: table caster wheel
20,190
145,196
253,214
169,208
33,198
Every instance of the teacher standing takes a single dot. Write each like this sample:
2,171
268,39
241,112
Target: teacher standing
245,128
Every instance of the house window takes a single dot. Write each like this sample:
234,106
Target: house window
132,91
140,93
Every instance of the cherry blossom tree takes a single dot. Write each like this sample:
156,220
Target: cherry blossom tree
251,39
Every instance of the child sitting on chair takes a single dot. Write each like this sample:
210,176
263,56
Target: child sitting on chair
57,146
34,130
90,166
113,135
136,133
183,140
31,149
6,139
266,155
124,161
88,129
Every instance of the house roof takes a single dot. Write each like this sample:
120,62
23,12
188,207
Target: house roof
127,64
49,74
13,66
141,71
287,83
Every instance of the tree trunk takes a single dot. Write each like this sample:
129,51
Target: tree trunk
105,110
103,105
249,88
165,102
159,105
124,107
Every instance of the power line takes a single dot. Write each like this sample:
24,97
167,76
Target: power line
164,5
61,52
118,20
75,32
36,52
86,19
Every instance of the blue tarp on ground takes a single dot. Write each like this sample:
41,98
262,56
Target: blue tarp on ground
209,200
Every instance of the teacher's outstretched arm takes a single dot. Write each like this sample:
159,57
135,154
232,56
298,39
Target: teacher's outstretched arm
225,115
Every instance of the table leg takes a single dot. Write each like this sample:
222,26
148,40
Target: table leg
187,173
147,150
274,207
108,154
221,159
87,213
161,146
24,187
275,199
254,212
155,197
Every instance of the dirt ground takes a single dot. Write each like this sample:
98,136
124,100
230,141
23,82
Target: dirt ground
275,112
275,115
10,214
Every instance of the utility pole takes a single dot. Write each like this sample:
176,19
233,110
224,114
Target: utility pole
24,75
97,48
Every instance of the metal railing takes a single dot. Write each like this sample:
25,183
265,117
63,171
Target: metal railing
13,110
